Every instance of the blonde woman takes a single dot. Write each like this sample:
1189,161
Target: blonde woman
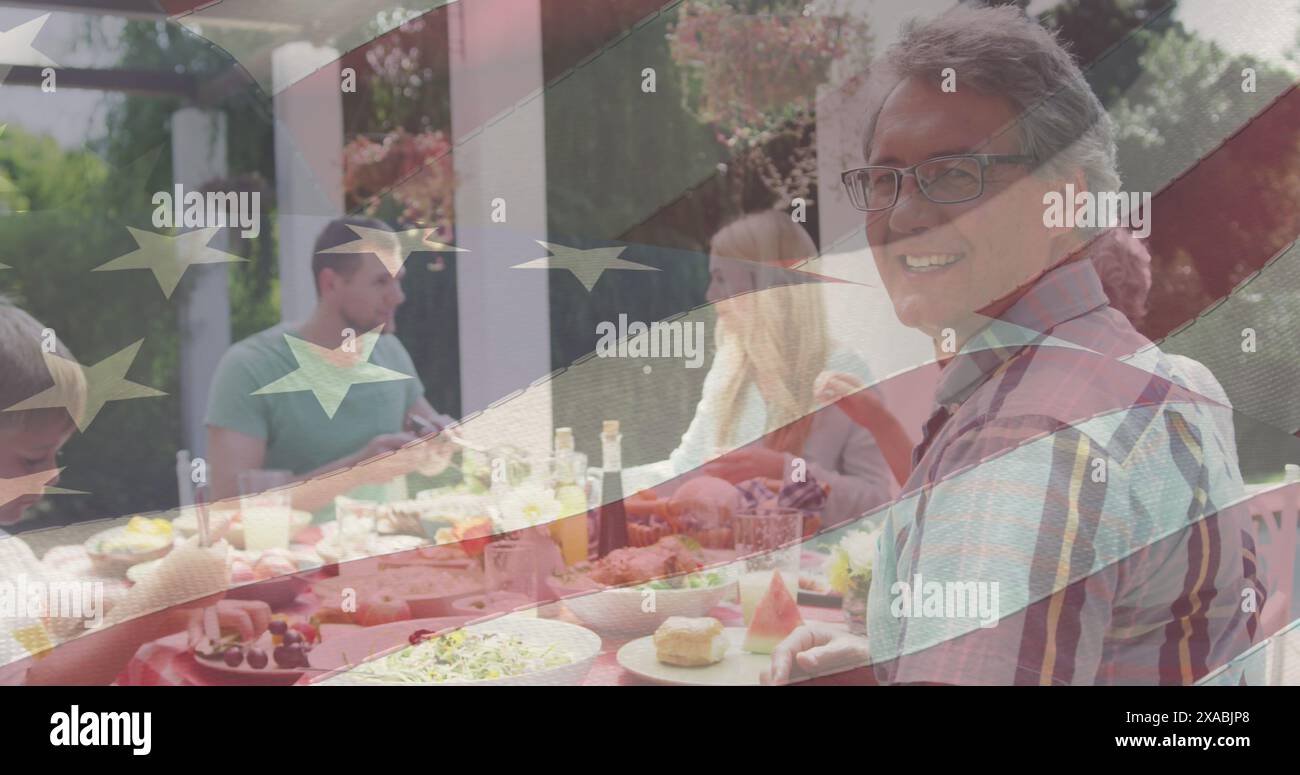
773,344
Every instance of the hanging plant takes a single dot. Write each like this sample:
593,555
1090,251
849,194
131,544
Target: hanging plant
412,173
751,69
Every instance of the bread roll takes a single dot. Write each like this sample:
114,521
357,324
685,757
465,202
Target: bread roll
690,642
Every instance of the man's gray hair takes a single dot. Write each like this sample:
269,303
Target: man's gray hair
1000,51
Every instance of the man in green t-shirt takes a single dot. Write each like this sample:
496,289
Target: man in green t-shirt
326,394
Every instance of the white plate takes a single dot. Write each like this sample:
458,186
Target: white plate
302,555
356,648
328,547
271,674
121,562
737,668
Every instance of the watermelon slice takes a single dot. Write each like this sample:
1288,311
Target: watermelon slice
776,616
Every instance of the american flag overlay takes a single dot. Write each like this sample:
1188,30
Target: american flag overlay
627,342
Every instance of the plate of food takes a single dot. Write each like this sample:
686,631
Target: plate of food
508,651
380,546
279,657
230,521
141,539
694,652
426,555
267,576
434,510
635,589
700,651
426,591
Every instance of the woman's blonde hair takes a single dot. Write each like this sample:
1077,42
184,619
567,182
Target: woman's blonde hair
27,372
782,342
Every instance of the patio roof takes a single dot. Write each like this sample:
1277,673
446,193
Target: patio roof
251,30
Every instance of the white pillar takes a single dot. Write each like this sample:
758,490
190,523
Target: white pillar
198,156
504,322
308,162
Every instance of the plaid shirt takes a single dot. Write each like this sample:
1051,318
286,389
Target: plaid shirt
1072,485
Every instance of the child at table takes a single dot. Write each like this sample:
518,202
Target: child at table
51,650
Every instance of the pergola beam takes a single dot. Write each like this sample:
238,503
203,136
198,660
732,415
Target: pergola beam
147,82
128,9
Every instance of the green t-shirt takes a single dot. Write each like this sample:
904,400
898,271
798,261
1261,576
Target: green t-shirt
300,436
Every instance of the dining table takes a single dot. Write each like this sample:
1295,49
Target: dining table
170,661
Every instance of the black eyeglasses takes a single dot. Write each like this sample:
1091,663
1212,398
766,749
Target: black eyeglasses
943,180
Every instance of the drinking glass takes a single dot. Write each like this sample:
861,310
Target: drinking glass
767,543
511,566
265,509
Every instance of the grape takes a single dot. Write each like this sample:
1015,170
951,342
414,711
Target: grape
285,656
234,656
278,626
299,655
257,659
292,637
288,656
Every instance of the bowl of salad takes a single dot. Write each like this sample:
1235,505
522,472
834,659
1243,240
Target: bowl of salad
638,609
508,651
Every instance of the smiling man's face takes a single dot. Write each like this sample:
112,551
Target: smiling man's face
972,253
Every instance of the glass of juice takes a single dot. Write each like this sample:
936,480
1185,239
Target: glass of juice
265,509
768,541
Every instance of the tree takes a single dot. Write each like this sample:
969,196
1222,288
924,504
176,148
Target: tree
55,234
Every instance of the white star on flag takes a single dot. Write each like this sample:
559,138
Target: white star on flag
32,484
410,241
586,265
330,374
169,257
105,381
16,47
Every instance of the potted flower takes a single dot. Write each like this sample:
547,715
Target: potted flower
525,514
849,573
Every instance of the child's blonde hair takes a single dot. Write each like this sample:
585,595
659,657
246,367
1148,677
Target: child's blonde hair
28,370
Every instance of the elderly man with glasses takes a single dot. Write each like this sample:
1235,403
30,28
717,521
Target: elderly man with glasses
1068,518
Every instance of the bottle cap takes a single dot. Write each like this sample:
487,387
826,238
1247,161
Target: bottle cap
610,428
